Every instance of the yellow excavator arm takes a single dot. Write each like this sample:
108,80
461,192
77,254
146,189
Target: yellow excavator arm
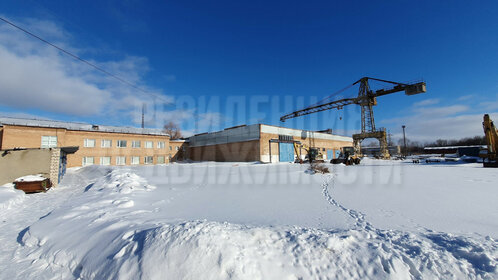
491,135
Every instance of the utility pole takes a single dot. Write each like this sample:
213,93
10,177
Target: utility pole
143,115
404,138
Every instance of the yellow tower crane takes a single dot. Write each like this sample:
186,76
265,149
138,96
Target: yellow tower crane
367,98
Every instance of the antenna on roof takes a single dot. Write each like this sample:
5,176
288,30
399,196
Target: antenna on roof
143,115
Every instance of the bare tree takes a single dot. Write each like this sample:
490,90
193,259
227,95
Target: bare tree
173,130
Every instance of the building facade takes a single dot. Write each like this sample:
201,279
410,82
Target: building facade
263,143
103,145
178,150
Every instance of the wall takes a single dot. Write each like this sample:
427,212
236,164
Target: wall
76,138
251,143
229,135
178,150
30,137
15,164
311,139
240,151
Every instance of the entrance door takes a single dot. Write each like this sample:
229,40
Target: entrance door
286,152
330,154
337,153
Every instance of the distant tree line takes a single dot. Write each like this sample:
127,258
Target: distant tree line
414,147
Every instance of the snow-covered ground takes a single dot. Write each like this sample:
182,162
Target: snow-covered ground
381,219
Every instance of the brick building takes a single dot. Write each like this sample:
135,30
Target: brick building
261,142
103,145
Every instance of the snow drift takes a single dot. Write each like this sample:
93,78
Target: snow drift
105,232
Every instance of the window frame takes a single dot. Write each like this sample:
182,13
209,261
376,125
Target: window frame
120,157
121,141
133,142
102,158
104,141
151,144
151,158
86,142
50,141
84,161
132,160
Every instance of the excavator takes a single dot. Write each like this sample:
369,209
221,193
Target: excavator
488,155
312,154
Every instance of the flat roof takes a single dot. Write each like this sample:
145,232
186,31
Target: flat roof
252,132
453,147
80,126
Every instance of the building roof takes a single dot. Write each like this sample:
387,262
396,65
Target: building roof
243,133
453,147
79,126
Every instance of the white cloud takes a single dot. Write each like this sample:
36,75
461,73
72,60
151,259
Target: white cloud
431,112
444,122
34,75
426,102
456,127
465,97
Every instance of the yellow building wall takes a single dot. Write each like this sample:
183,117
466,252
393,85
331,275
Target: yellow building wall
178,150
321,144
30,137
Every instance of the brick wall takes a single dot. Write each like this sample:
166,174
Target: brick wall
30,137
239,151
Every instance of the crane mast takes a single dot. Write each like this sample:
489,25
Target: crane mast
367,98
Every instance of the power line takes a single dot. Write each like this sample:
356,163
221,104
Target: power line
77,57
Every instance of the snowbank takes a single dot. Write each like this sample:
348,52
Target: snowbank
120,227
9,196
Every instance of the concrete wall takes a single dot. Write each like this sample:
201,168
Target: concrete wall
15,164
30,137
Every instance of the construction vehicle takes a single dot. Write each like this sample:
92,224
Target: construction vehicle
347,156
488,155
367,98
312,154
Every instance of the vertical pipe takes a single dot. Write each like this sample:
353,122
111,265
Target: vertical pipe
404,139
269,144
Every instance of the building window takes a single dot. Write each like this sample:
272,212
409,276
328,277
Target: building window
160,159
170,148
160,145
89,143
285,138
122,143
106,143
87,161
135,160
148,160
149,144
135,144
121,160
105,160
48,141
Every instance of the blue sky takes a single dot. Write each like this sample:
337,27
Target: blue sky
214,64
